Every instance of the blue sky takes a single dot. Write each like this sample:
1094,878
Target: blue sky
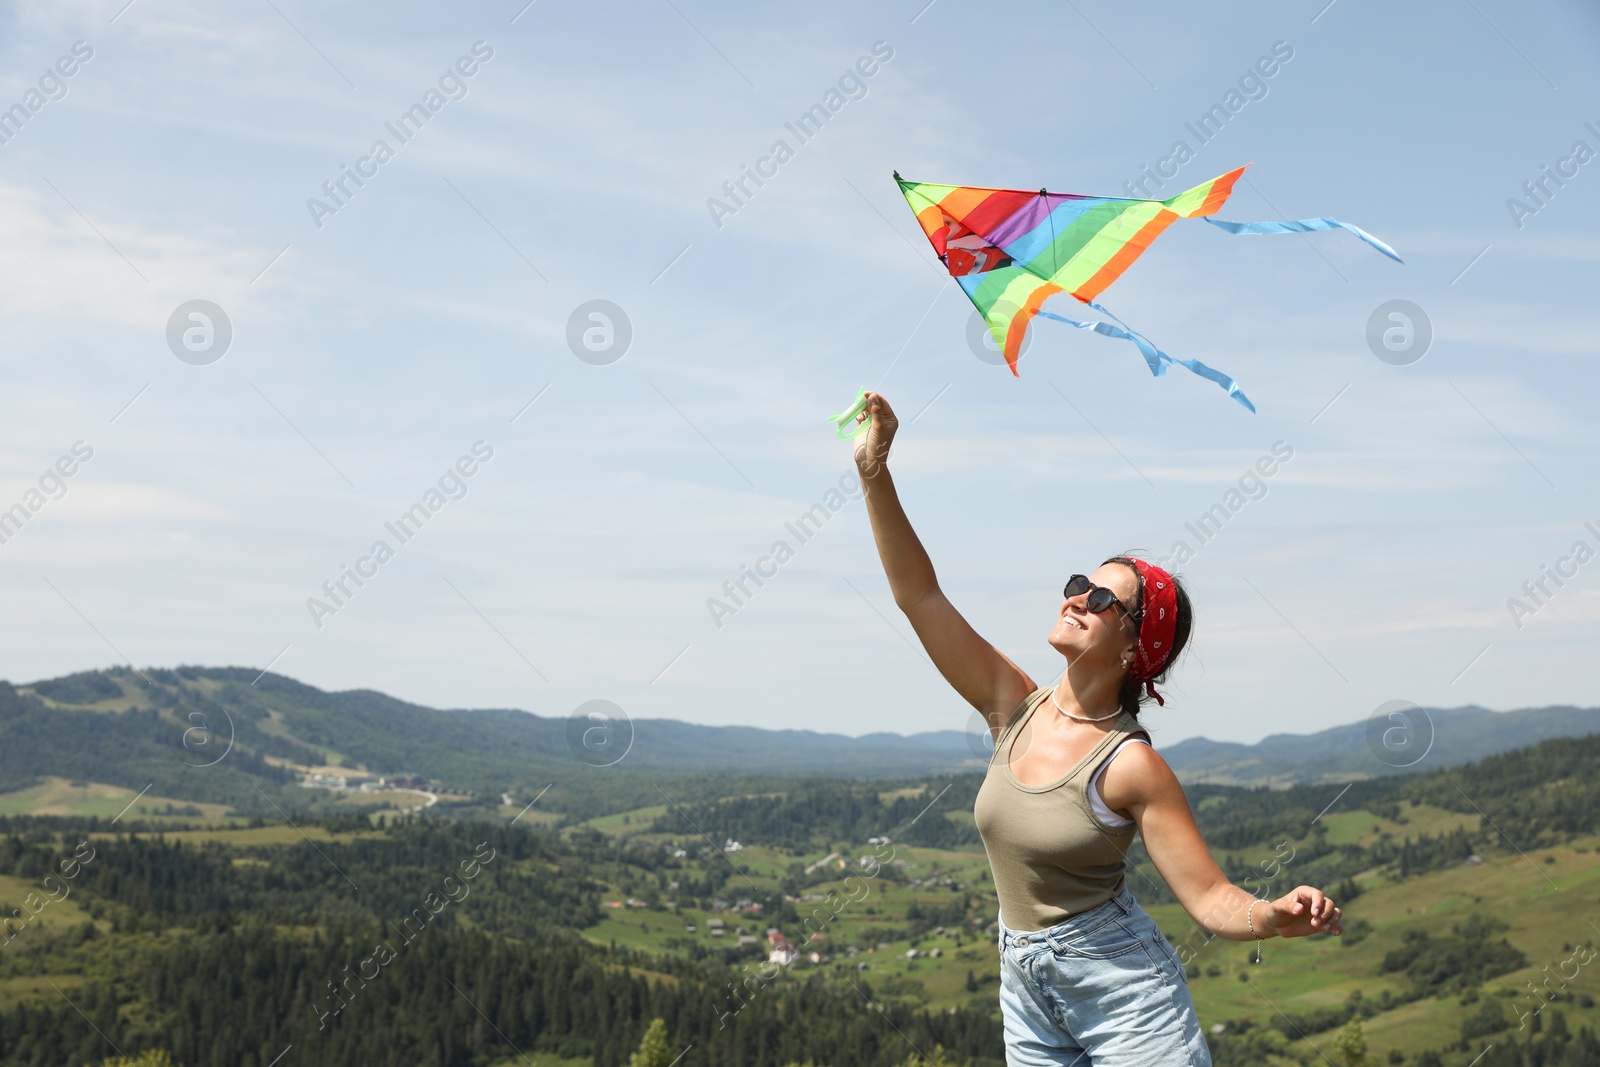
576,162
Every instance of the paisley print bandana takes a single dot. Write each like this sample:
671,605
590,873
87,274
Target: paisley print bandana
1159,599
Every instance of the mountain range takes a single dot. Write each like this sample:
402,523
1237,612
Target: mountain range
129,727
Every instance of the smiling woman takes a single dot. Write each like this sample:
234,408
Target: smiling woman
1087,977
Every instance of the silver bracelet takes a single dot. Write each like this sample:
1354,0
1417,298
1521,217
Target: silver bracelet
1248,921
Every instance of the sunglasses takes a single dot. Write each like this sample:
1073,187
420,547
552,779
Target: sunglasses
1100,598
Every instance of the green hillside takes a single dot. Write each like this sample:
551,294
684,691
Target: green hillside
1470,897
218,879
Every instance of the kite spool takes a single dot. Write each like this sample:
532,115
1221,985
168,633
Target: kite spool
847,419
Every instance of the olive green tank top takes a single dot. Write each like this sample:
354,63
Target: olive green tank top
1052,857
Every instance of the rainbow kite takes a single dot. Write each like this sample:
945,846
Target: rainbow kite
1011,250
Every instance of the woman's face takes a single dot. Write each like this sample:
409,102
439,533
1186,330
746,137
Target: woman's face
1108,637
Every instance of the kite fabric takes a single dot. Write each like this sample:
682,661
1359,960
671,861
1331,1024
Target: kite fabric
1011,250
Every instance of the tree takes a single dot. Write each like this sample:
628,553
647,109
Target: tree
938,1058
653,1050
1351,1046
155,1057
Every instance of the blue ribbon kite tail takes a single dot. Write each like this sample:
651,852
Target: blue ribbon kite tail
1156,358
1303,226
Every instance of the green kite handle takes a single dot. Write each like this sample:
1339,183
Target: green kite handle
847,419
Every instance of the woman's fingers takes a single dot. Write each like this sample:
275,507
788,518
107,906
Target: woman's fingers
1308,910
869,446
879,406
874,444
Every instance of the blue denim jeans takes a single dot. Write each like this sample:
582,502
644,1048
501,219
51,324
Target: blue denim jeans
1101,989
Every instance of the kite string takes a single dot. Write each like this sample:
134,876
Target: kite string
914,330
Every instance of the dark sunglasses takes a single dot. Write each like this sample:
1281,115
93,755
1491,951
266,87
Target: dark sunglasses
1100,598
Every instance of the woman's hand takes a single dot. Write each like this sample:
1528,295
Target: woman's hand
1302,911
872,447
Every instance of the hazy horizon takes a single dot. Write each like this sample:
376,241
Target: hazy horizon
1146,717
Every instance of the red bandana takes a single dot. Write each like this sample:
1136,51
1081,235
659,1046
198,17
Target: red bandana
1159,599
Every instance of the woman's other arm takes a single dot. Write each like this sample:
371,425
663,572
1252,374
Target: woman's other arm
981,673
1140,783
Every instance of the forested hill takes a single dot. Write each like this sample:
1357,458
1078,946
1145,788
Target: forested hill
234,736
1343,753
370,729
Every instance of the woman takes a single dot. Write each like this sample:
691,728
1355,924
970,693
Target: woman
1087,978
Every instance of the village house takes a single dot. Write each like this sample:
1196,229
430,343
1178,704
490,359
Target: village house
783,953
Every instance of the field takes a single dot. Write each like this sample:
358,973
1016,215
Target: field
58,796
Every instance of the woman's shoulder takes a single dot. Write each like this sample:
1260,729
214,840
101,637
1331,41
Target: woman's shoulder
1031,701
1131,729
1137,759
1025,705
1137,774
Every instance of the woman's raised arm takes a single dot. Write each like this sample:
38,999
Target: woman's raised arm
981,673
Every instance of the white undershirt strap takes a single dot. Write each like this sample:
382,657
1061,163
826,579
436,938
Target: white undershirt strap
1109,817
